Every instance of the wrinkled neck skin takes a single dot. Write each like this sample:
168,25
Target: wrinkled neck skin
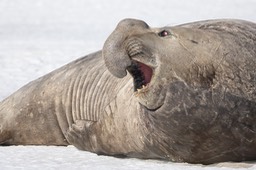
130,129
125,128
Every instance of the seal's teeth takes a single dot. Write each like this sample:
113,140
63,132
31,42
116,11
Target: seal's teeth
142,90
144,87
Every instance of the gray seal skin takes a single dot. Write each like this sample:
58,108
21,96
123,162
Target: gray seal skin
190,96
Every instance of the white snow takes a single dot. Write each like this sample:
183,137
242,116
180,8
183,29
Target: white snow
38,36
53,157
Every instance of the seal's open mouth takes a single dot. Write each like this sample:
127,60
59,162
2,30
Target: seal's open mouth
141,74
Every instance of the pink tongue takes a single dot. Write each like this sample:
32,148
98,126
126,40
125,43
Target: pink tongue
147,72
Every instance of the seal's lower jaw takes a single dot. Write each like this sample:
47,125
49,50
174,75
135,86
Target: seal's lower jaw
148,91
142,75
144,88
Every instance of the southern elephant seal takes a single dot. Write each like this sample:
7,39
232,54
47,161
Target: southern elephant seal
190,96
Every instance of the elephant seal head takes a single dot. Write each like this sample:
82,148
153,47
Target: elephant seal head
157,56
195,83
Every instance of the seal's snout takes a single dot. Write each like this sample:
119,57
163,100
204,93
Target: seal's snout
114,50
132,24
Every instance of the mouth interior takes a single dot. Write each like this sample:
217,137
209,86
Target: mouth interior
141,74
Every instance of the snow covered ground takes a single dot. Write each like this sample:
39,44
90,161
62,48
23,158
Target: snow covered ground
62,158
38,36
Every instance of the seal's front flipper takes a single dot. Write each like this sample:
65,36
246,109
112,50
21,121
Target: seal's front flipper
79,134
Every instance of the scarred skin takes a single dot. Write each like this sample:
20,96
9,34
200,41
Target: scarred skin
195,101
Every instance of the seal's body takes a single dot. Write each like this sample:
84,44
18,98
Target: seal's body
191,96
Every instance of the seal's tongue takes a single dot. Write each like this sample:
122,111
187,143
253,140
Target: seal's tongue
141,74
147,73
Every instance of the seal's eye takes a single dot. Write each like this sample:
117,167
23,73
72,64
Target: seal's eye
164,33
